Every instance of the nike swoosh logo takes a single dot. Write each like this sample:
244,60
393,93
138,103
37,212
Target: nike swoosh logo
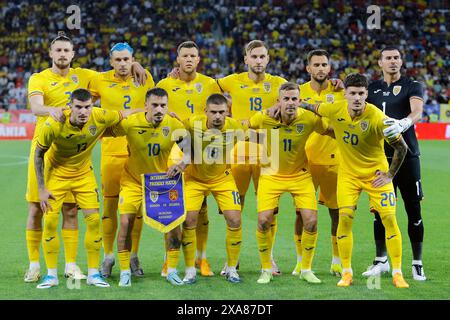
176,89
244,86
341,237
277,127
236,243
49,239
263,250
308,249
418,223
99,240
142,131
389,238
376,91
341,119
186,243
54,84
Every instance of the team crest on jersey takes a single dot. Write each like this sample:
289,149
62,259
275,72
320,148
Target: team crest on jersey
364,125
396,90
199,87
92,130
173,195
267,86
154,196
165,131
330,98
74,79
300,127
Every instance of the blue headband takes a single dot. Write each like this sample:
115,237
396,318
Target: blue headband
121,46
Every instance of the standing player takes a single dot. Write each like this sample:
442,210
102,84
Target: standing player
250,92
150,141
49,92
187,97
213,135
322,153
117,91
400,98
68,169
288,173
358,127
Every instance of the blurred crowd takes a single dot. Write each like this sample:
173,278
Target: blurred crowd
222,28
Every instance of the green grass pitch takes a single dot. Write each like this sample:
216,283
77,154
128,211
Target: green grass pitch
435,177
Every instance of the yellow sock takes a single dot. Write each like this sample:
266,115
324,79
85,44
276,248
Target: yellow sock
309,241
109,224
298,245
34,238
50,240
124,260
273,231
136,234
334,247
345,237
173,256
70,241
233,243
202,232
93,240
393,240
188,241
263,238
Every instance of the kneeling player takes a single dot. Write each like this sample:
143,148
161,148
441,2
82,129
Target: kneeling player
212,175
288,172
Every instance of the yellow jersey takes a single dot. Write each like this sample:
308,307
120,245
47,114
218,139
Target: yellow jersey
360,141
57,89
321,149
189,98
286,143
149,146
211,148
249,97
70,147
118,94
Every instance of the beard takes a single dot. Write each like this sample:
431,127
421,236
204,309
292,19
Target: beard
320,80
260,71
63,65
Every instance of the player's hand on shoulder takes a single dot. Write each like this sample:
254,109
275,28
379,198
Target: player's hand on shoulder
338,84
394,128
138,73
274,111
174,73
57,114
381,179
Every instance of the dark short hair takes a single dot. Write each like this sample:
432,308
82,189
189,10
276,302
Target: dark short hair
81,95
390,48
216,98
61,37
188,45
159,92
287,86
317,52
356,80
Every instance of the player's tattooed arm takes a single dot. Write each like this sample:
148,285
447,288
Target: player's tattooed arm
39,109
309,106
44,194
383,178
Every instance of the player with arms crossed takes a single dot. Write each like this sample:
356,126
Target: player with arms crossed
400,98
68,168
288,172
358,127
117,90
187,97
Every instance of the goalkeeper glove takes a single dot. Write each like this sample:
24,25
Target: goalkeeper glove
396,127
